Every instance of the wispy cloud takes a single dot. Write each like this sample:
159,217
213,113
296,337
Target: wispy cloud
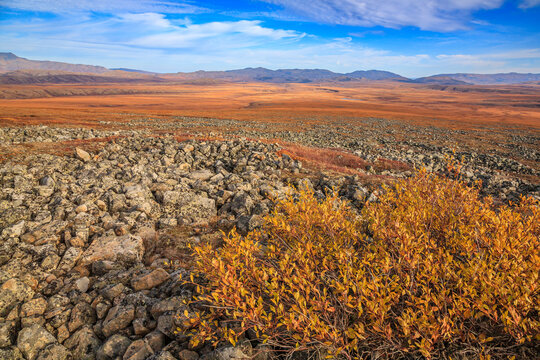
436,15
103,6
232,34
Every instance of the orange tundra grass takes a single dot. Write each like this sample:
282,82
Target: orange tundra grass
430,270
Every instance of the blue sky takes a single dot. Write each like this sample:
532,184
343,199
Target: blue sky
410,37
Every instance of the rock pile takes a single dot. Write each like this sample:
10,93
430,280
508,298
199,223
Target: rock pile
84,269
78,274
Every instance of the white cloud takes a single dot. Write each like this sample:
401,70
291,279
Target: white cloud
437,15
103,6
148,19
228,34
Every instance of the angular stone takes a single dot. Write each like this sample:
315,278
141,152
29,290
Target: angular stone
54,352
34,307
70,258
83,344
13,292
15,230
151,280
169,304
82,284
156,340
81,314
114,347
7,331
188,355
33,339
82,155
138,350
126,249
118,318
112,291
201,175
12,353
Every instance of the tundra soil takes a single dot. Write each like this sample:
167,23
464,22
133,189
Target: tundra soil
105,187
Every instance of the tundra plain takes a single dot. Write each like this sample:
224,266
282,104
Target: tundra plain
105,186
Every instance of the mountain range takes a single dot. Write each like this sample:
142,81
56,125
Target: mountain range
18,70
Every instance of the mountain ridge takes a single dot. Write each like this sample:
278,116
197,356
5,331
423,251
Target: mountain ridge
11,64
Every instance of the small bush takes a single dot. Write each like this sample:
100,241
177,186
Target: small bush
429,270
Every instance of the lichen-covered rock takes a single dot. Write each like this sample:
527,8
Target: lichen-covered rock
13,292
7,332
151,280
83,344
114,347
32,340
118,318
126,249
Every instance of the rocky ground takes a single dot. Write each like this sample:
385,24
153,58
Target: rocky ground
93,243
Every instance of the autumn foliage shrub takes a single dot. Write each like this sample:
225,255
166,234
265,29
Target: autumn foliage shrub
431,269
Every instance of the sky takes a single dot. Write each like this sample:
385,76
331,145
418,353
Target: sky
413,38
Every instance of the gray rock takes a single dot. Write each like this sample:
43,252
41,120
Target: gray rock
82,284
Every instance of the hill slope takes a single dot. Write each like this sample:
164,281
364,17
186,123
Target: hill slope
12,62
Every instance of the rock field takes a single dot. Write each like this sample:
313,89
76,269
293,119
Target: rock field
93,242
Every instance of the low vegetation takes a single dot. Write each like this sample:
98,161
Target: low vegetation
431,269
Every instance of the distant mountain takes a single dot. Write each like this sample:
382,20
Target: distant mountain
439,80
11,62
375,75
66,77
480,79
133,70
289,75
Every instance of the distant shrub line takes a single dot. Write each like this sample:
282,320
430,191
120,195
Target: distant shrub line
430,270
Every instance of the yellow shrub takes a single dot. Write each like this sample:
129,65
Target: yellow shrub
430,269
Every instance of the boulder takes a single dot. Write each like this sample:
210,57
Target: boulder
126,249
